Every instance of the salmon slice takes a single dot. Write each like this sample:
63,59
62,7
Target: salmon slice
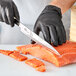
41,68
67,51
16,55
37,64
34,62
6,52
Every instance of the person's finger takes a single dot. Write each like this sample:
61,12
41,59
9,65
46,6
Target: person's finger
46,33
16,13
36,30
3,14
59,34
53,34
64,34
6,19
1,19
10,15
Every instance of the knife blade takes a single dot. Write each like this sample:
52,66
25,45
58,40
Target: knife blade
35,37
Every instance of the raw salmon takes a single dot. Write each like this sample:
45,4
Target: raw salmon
67,51
41,68
6,52
16,55
37,64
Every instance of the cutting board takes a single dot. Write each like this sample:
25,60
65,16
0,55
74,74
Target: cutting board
11,67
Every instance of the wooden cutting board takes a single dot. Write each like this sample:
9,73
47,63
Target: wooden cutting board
11,67
73,24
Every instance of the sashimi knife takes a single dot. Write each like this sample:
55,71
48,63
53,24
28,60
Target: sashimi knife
35,37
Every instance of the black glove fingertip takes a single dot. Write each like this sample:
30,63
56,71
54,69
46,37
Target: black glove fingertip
33,42
55,43
12,24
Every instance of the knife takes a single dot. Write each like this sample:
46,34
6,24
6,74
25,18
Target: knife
35,37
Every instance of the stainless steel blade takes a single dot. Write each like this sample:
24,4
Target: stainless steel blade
36,38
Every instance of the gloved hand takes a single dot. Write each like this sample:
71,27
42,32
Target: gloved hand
50,24
8,11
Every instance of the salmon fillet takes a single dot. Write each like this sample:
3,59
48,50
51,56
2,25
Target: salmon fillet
67,51
16,55
37,64
6,52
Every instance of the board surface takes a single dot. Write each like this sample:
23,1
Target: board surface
11,67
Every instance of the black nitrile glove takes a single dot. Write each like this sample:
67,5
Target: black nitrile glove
51,26
8,11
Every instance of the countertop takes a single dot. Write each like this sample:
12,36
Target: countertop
11,67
